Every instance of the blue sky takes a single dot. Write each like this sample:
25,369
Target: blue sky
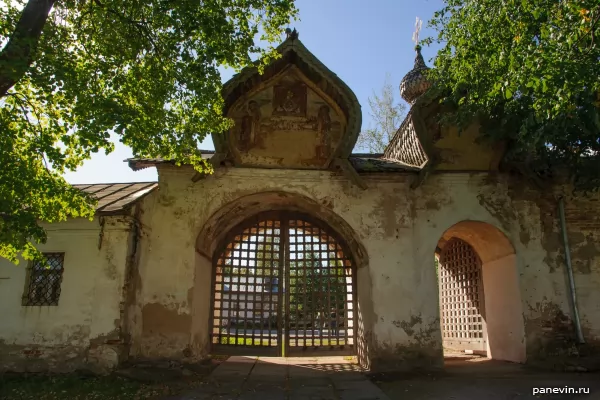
361,41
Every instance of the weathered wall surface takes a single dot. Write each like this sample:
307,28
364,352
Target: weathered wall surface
83,330
176,279
463,152
550,327
399,229
505,310
529,218
161,297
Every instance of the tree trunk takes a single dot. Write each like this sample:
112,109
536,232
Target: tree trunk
17,55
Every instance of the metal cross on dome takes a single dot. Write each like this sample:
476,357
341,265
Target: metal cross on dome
418,25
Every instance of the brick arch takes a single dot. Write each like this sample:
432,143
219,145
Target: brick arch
232,214
489,242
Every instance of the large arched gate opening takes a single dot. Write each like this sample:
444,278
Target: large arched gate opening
283,285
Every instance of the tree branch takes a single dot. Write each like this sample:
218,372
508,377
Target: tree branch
33,129
140,25
17,55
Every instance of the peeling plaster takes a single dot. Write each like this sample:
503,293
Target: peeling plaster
389,228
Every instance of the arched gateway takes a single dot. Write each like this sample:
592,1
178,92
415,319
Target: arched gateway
283,284
461,297
480,300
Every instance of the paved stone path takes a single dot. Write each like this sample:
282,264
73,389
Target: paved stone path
479,378
265,378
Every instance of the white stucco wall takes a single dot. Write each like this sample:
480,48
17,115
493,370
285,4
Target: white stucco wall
88,311
503,305
168,308
399,228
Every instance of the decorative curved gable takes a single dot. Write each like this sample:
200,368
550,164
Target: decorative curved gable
297,114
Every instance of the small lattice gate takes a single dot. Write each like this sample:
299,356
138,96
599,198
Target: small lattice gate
461,297
283,285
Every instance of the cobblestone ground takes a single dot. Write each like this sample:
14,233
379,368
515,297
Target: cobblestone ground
323,378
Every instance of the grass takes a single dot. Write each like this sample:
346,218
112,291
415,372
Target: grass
241,341
75,387
246,341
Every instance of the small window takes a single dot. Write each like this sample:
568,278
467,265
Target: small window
44,279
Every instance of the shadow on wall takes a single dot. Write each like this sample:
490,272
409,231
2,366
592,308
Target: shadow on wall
362,344
498,285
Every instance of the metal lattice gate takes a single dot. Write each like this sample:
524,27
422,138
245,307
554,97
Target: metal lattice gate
283,285
461,297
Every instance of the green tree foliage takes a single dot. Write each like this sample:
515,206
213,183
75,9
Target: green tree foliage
529,71
387,116
317,283
316,287
72,71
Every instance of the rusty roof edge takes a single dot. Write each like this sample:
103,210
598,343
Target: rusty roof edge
401,164
159,160
112,183
137,164
380,165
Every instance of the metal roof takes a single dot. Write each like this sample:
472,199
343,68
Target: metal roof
114,197
362,162
375,163
140,163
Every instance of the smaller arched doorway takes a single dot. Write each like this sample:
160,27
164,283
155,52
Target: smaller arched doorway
480,298
283,285
462,305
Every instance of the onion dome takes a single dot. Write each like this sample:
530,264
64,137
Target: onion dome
415,82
